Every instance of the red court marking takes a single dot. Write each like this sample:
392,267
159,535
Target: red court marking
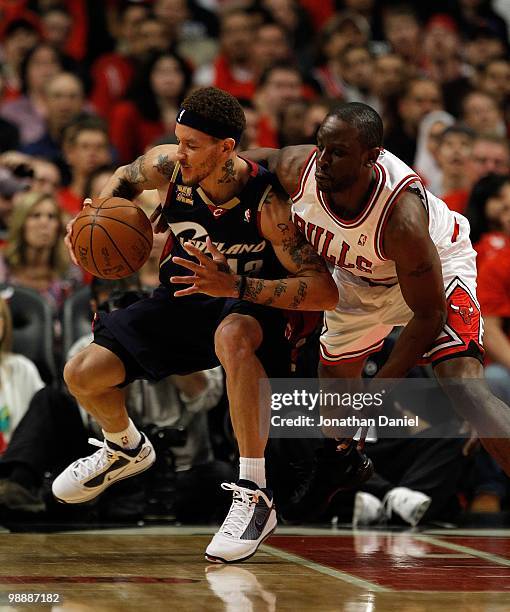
92,579
400,562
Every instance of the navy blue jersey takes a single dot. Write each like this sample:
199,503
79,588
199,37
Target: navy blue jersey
232,226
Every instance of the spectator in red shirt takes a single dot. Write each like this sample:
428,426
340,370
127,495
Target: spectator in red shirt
488,197
233,68
86,147
278,86
453,152
112,72
155,97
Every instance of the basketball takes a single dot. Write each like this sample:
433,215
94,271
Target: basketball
112,237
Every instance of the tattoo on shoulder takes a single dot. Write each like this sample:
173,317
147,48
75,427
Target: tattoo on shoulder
229,174
300,295
164,166
135,172
422,269
283,227
301,252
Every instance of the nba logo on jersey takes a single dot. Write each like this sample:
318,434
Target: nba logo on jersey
362,240
247,216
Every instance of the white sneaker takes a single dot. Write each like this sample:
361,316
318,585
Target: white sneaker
89,476
250,520
408,504
368,510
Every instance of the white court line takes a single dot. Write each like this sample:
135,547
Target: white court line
323,569
464,549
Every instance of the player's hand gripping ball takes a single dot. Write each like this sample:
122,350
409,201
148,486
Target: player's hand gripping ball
111,237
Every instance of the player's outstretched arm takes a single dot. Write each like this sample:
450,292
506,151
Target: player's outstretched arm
408,243
309,286
152,170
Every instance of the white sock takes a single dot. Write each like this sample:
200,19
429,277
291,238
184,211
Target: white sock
254,469
128,438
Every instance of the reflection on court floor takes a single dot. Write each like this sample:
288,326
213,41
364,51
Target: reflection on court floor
299,570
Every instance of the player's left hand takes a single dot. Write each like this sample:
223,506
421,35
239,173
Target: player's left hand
211,275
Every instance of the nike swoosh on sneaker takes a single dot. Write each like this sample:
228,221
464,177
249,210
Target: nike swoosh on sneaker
100,478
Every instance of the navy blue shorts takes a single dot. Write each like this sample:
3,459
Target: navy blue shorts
163,335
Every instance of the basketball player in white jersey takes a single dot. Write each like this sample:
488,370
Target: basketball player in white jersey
400,257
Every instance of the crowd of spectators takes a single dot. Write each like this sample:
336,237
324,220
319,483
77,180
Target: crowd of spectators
87,86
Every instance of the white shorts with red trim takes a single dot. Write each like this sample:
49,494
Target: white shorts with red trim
366,314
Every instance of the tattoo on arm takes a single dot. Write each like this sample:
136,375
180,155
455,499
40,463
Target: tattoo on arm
253,288
302,253
164,166
300,295
135,172
421,270
280,289
125,190
229,174
283,227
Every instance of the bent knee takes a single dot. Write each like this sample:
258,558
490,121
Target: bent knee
237,336
93,369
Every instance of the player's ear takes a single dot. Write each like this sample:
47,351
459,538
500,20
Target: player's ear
228,145
372,156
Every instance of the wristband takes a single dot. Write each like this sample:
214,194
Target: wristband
242,286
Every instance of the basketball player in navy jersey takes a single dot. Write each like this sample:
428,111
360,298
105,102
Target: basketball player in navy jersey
211,197
400,257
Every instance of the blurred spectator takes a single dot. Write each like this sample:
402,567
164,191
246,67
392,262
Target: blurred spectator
482,46
270,46
97,180
291,124
482,114
151,37
387,82
425,162
86,147
47,178
19,380
112,72
494,79
35,255
64,102
315,114
442,48
357,71
57,24
421,96
10,185
28,111
190,28
488,197
453,152
471,14
19,36
490,154
404,34
232,69
154,99
295,20
278,86
341,32
249,138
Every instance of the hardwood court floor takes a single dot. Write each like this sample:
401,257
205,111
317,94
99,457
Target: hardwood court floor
299,570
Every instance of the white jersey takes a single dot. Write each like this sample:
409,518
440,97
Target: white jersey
356,245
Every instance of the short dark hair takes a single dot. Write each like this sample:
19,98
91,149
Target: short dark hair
457,128
217,105
84,123
365,119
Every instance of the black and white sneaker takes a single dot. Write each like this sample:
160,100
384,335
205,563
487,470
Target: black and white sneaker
88,477
250,520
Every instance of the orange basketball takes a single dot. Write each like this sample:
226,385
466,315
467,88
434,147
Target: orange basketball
112,237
